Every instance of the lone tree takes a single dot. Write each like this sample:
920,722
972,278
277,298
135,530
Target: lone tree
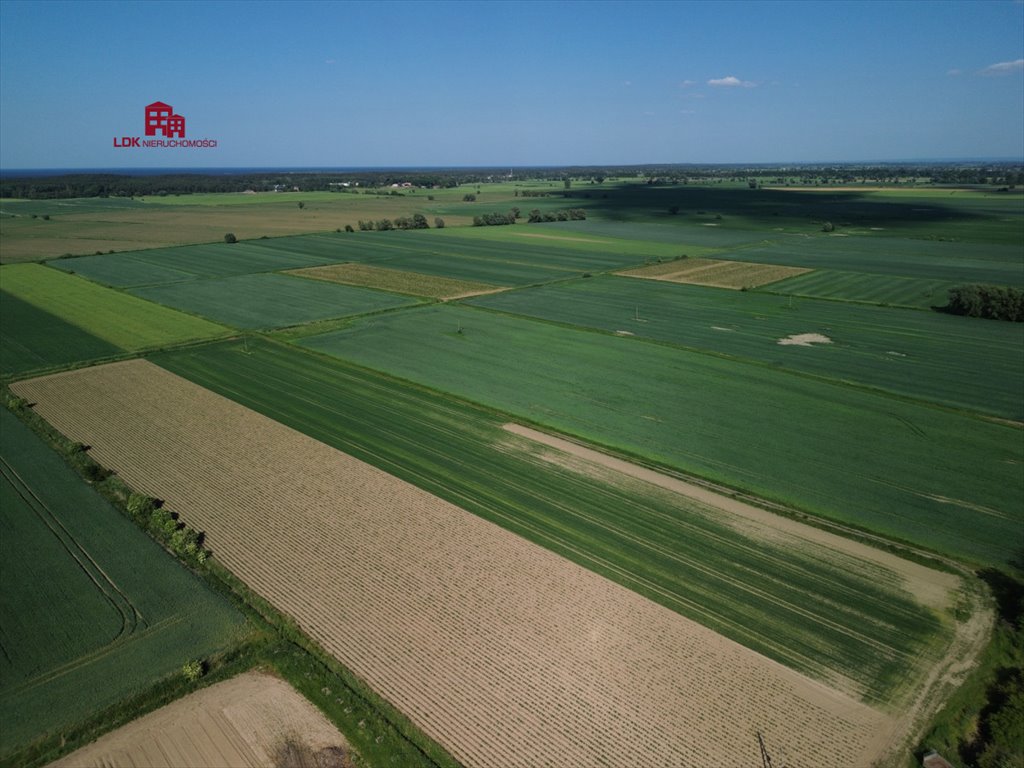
230,238
301,205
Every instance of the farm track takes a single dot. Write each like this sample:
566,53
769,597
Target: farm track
502,651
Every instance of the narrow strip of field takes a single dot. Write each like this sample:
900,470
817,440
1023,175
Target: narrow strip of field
250,721
716,273
503,652
929,586
122,320
410,283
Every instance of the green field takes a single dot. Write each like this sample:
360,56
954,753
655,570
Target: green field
956,361
169,265
792,605
269,300
122,320
864,287
948,262
31,339
943,480
91,609
513,258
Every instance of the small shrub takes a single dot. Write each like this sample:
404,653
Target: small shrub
230,238
193,670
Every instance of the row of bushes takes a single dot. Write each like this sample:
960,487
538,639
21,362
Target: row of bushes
571,214
417,221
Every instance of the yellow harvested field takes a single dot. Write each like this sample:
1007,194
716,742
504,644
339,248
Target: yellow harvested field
503,652
250,721
717,273
398,281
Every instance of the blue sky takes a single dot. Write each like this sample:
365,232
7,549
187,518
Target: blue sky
512,83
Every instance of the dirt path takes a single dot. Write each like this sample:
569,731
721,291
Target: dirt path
248,721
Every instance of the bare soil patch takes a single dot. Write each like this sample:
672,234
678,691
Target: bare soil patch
716,273
505,653
250,721
804,340
398,281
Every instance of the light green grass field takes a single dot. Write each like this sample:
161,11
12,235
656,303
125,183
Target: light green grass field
955,361
122,320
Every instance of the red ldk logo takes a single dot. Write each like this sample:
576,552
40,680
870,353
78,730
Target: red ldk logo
160,118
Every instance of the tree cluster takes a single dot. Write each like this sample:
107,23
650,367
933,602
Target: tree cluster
417,221
496,219
996,302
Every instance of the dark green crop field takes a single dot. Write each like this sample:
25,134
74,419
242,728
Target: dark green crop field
269,300
31,339
951,262
168,265
947,481
867,288
797,606
91,609
957,361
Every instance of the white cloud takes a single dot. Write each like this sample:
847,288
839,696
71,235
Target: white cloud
730,82
1004,68
331,61
954,72
687,83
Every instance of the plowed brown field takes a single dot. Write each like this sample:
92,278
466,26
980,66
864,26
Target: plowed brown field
716,273
247,721
505,653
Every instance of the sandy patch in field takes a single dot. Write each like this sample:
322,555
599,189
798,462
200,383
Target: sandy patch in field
246,722
397,281
505,653
716,273
804,340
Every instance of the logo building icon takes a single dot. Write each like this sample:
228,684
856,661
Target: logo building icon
160,118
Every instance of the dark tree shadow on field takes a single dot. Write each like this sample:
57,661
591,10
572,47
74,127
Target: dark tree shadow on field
767,206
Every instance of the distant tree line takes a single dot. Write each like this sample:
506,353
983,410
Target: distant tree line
571,214
1004,176
996,302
